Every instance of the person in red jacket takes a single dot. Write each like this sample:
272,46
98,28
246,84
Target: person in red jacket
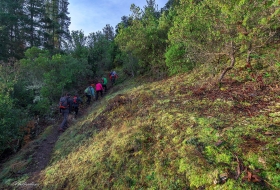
98,89
113,75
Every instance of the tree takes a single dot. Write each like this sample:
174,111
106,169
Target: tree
33,26
77,45
169,5
50,76
125,22
204,30
245,28
56,23
12,118
101,49
145,39
151,7
190,36
11,22
108,31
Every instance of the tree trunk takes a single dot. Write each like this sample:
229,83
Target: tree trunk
232,62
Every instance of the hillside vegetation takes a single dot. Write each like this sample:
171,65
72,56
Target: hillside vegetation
173,134
199,108
182,132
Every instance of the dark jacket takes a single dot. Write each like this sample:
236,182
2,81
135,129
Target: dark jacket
78,101
69,103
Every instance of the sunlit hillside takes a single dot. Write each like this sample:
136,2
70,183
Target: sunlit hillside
183,132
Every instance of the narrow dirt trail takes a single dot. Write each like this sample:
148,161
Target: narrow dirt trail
41,158
43,152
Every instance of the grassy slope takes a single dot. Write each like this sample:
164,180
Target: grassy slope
177,133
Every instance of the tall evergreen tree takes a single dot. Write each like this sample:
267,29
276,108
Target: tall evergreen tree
77,44
101,48
11,23
152,7
109,32
125,22
56,23
145,39
33,26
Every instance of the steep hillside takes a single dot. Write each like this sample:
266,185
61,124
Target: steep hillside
183,132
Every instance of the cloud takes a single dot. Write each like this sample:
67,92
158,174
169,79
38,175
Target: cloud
93,15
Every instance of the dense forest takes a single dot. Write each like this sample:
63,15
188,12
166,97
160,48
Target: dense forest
40,59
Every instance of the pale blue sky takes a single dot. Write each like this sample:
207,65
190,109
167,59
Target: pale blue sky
93,15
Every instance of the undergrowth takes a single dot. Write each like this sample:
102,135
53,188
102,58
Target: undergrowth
13,171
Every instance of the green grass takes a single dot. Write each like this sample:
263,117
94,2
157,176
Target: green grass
157,139
168,134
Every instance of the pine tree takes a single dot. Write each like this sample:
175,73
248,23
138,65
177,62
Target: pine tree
33,25
11,22
56,23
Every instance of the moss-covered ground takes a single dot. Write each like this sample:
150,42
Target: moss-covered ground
182,132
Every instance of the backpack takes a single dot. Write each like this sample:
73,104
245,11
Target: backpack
75,99
63,103
87,90
113,74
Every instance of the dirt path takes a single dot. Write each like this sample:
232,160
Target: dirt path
43,151
40,149
41,158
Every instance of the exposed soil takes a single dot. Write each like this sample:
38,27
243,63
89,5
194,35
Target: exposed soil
41,157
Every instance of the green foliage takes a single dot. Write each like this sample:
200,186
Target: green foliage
33,24
189,36
51,76
206,29
176,61
77,45
12,118
180,133
101,52
145,39
42,107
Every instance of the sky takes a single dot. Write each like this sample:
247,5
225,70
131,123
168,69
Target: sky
93,15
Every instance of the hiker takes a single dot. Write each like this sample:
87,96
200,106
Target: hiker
89,92
113,76
98,89
65,109
104,83
76,101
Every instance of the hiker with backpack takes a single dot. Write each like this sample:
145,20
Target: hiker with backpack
104,83
89,92
65,109
98,89
113,76
76,101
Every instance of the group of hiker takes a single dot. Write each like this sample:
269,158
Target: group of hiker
67,104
